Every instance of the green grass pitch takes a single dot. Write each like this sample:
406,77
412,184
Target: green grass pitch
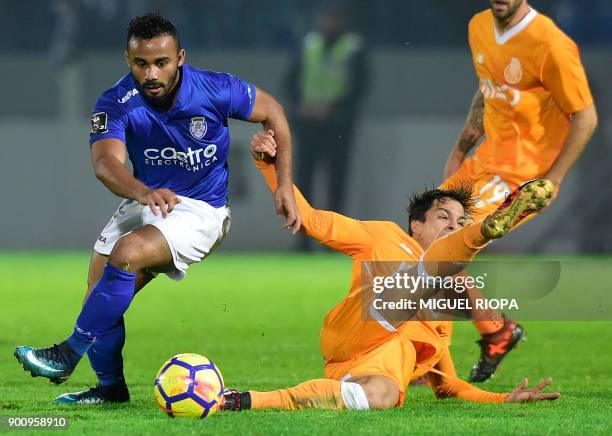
258,317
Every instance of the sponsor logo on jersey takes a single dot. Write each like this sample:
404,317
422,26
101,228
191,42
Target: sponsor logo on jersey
513,72
502,92
127,96
99,123
198,127
191,160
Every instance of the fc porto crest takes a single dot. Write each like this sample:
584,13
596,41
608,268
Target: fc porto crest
198,127
513,72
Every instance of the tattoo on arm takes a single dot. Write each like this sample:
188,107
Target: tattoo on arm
475,118
465,144
474,127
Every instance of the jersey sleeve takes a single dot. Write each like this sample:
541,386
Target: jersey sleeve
563,75
338,232
453,387
470,34
472,25
107,120
242,98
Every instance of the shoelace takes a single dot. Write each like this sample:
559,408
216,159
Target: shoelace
52,354
95,390
234,402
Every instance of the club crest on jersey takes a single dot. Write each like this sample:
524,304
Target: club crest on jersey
513,72
198,127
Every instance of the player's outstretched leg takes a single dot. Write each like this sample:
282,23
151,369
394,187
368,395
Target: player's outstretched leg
373,393
316,394
449,255
362,393
289,399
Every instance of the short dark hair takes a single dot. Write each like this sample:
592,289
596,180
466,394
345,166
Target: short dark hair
421,203
151,26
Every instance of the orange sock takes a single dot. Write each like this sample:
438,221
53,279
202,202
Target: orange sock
445,256
486,321
313,394
488,327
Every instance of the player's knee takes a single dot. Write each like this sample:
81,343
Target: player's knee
379,399
91,282
125,255
381,395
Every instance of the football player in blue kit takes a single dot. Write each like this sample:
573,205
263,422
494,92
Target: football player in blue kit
171,119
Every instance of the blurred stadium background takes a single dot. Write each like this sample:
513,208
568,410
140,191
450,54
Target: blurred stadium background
58,56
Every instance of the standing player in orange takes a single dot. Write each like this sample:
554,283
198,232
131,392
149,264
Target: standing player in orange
369,363
536,112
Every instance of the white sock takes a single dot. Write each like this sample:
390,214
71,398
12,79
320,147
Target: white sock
354,396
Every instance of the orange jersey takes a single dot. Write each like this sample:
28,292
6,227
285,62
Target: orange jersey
346,331
533,80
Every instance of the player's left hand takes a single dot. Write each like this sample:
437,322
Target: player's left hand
286,207
521,395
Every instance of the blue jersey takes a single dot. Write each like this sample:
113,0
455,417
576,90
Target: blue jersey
185,149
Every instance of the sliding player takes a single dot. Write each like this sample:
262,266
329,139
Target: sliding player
369,363
534,107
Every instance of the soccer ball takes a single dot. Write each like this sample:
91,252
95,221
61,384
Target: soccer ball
189,385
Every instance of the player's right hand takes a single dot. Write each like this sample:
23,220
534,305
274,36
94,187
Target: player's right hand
521,395
162,198
262,144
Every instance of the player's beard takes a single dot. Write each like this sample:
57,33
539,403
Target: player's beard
511,5
165,98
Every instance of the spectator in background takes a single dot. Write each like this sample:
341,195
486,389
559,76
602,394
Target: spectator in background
326,83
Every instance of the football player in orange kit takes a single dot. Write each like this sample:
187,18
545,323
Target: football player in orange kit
535,110
369,363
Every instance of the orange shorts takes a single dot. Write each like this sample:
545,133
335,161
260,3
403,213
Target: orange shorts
394,359
490,189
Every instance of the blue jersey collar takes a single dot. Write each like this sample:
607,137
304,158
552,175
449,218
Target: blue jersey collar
184,92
